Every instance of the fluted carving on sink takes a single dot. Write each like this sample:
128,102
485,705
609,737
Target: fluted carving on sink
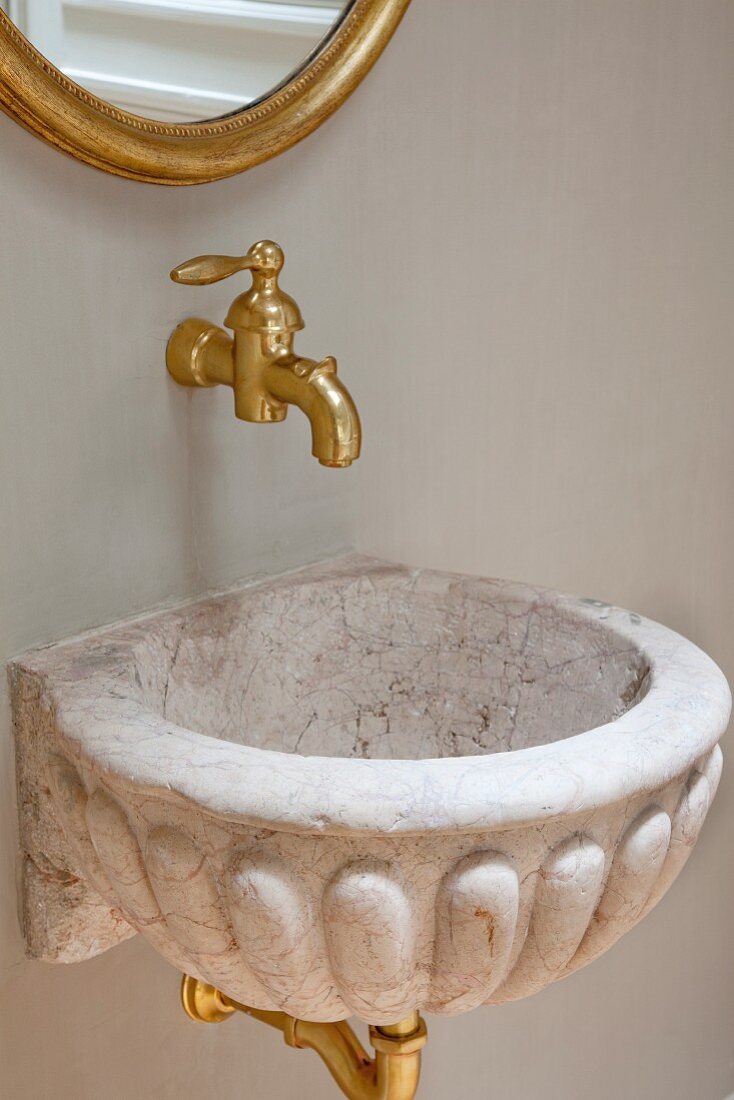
375,937
186,892
688,818
635,870
281,936
476,919
568,887
118,849
70,798
370,923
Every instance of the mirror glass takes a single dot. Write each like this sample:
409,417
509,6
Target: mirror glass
177,60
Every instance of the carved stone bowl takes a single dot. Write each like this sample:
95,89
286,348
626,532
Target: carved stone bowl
362,789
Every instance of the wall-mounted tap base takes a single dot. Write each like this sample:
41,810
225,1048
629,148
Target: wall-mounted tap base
200,354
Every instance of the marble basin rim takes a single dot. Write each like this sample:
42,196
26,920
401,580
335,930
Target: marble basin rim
540,769
681,711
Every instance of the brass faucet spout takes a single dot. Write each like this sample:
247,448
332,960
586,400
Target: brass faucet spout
315,388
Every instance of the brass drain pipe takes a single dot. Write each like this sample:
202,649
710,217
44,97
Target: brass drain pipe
392,1074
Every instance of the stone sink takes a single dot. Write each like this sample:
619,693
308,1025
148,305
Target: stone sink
362,789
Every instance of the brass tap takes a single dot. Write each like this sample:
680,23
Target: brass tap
259,362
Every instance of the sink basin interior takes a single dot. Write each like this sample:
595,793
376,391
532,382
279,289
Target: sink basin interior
388,664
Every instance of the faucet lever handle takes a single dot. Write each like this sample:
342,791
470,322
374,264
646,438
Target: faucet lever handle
265,257
203,270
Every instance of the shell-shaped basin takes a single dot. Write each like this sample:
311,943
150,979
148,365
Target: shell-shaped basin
363,789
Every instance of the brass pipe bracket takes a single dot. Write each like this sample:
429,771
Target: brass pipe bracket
392,1074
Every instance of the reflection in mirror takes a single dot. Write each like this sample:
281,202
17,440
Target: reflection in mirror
177,60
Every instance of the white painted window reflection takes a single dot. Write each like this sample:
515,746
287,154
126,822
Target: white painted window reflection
176,60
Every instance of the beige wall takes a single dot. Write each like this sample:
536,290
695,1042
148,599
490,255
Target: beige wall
517,238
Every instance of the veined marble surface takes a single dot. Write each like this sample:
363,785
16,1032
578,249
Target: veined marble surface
363,789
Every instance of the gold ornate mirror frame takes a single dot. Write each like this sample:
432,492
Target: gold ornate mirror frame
36,94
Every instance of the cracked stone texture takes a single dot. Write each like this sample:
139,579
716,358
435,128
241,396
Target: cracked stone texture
361,788
391,666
